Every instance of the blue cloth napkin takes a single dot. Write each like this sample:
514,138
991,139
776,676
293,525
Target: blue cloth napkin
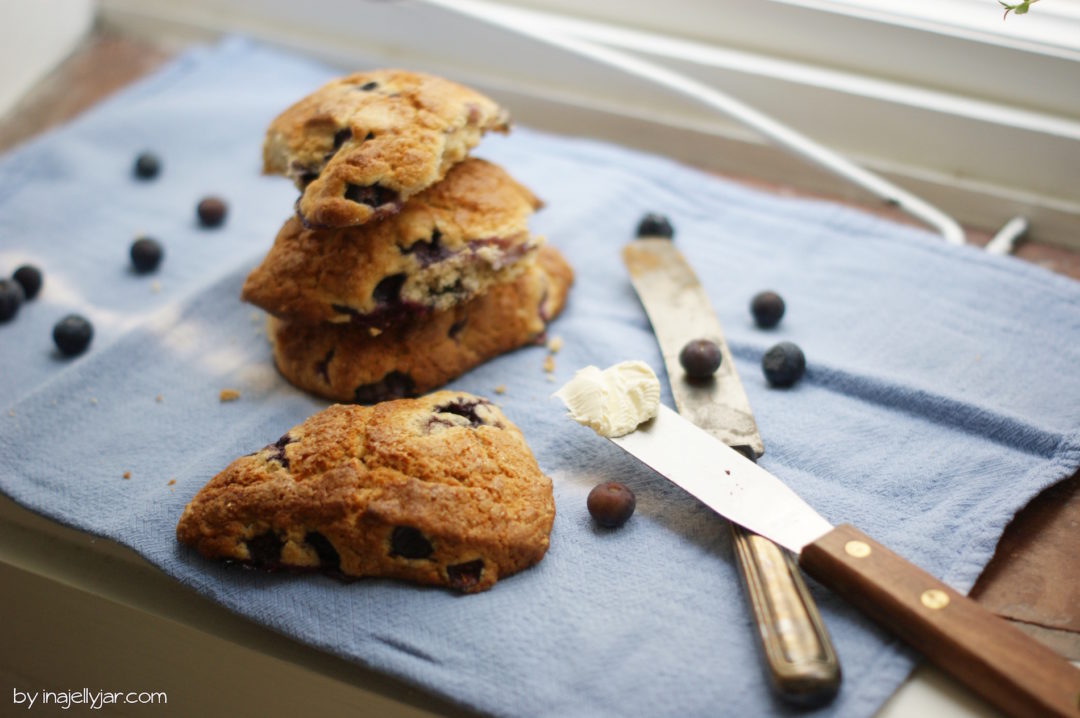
940,396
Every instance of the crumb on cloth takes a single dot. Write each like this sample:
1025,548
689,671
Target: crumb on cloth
228,395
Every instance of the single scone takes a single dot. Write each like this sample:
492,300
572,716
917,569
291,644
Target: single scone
361,145
450,243
437,490
346,363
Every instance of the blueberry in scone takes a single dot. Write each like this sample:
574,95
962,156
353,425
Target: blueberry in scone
347,363
438,490
449,243
360,146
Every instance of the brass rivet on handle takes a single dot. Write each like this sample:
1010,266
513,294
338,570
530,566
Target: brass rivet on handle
858,549
934,599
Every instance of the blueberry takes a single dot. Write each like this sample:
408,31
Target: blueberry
11,298
408,542
783,364
29,278
767,308
211,211
388,290
700,358
146,254
342,136
611,504
328,555
371,195
464,409
369,86
265,549
394,385
72,335
147,166
465,576
655,225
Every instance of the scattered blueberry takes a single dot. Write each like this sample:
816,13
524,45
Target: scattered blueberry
369,86
767,308
783,364
72,335
147,166
146,254
611,504
211,211
29,278
700,358
11,298
655,225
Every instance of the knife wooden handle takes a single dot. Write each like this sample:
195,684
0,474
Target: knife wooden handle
996,660
798,653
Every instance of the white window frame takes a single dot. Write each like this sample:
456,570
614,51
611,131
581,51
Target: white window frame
948,110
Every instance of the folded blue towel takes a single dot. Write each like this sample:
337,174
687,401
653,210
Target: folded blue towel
940,396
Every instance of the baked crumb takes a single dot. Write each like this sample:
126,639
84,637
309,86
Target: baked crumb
228,395
549,363
551,378
155,287
554,345
11,412
93,400
127,474
374,331
256,316
172,482
500,389
159,398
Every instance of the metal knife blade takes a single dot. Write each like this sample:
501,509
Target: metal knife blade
1009,669
724,480
679,311
797,651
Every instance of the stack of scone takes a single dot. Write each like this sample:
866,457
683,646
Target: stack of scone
407,262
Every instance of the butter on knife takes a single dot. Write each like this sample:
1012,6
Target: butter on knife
614,401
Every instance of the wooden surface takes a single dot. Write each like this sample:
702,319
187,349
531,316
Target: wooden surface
1034,578
1013,672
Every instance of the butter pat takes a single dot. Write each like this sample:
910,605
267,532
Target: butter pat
614,401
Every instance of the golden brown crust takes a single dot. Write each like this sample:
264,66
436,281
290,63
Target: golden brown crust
449,243
438,490
347,363
362,145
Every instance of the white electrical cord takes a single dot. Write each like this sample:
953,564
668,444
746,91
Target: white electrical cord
532,25
1004,242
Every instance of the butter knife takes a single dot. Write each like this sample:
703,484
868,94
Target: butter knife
798,653
1011,670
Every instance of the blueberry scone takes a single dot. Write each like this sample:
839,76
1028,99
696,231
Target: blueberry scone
437,490
361,145
450,243
346,363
